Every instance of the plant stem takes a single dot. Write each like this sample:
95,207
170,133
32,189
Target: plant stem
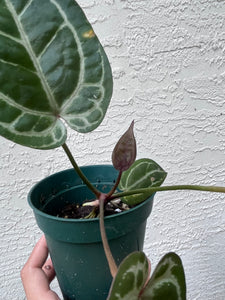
115,186
148,191
112,265
79,172
101,197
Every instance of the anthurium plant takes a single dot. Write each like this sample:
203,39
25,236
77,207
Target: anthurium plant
54,73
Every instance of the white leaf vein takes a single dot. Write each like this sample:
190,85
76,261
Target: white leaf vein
15,104
33,57
24,9
147,175
11,126
51,41
17,65
19,41
79,48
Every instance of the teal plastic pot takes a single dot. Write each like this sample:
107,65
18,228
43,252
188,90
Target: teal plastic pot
75,245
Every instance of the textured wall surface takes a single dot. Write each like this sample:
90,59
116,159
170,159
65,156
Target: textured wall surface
168,62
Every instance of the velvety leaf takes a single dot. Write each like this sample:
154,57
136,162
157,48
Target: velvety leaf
124,153
131,277
52,67
167,281
142,174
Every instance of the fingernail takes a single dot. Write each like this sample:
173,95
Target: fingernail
47,267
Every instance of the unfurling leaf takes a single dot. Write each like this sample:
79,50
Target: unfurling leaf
124,153
52,67
143,173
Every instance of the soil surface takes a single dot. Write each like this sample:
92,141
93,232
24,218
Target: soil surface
75,211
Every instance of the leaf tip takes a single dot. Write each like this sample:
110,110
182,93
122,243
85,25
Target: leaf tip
124,153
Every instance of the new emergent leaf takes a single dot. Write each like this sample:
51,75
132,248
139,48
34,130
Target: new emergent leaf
124,153
52,67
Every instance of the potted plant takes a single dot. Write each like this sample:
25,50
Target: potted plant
55,71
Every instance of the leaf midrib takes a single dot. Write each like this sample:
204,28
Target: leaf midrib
27,45
149,173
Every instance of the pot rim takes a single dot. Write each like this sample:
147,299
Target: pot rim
46,215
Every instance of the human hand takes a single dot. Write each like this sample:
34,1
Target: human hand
37,274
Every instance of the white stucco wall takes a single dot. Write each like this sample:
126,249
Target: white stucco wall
168,62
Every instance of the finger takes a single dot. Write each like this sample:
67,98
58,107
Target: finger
35,280
49,270
39,254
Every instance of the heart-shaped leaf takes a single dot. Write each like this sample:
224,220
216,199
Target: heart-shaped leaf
52,67
124,153
167,281
142,174
132,274
132,280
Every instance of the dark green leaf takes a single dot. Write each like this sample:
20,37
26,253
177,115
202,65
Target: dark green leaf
142,174
52,67
131,277
167,281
